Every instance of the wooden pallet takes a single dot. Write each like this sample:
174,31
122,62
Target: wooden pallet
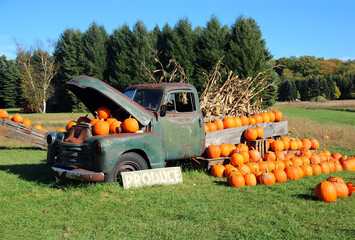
260,145
206,163
18,131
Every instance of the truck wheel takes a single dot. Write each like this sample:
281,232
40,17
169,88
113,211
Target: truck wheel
126,163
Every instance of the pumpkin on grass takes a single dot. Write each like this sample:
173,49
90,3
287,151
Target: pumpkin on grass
217,170
340,186
237,180
250,179
326,191
267,178
237,159
280,175
213,151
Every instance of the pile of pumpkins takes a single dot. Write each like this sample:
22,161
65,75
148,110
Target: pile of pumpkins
19,119
232,122
332,188
247,167
105,123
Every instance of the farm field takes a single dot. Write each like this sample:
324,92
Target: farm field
34,203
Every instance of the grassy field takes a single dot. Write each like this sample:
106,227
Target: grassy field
35,204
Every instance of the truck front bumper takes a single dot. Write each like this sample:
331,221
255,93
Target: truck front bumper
80,174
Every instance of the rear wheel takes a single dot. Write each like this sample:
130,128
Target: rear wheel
126,163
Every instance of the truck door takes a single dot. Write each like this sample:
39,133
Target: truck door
182,128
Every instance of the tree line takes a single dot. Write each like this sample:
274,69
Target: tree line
126,56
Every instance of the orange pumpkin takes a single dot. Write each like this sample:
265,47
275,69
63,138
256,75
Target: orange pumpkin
251,134
326,191
237,159
278,116
265,116
130,125
27,122
237,180
206,128
3,114
267,178
115,127
213,151
225,150
61,130
306,143
101,128
254,155
217,170
280,175
258,118
38,127
250,179
110,120
238,122
70,124
17,118
252,121
219,124
271,116
228,122
211,126
103,112
95,120
260,132
315,144
277,146
316,169
245,120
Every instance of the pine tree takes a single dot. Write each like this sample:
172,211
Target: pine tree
269,94
69,54
287,91
94,41
246,54
314,87
304,90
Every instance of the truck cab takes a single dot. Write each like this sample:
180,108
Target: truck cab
170,127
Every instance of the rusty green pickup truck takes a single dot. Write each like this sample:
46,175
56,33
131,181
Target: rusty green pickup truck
171,127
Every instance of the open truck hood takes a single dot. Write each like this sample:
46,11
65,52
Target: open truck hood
95,93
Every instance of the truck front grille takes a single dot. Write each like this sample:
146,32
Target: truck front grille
71,156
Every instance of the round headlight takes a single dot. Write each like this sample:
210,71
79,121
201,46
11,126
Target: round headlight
50,138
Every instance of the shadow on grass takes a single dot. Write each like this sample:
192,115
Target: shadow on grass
22,148
222,183
310,196
41,175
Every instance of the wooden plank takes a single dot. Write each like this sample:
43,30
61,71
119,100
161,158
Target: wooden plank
18,131
235,135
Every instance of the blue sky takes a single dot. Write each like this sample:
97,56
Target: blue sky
321,28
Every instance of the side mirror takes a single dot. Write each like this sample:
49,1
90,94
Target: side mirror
162,110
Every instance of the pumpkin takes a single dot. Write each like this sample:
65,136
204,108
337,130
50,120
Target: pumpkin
95,120
277,146
111,120
245,120
237,159
338,167
84,119
267,178
219,124
27,122
269,156
260,132
237,180
268,143
225,150
241,147
206,128
280,175
237,122
252,121
351,188
101,128
286,144
336,156
326,191
211,126
3,114
325,167
217,170
314,159
271,116
228,122
254,155
250,179
246,156
265,116
331,166
305,153
251,134
315,144
264,166
294,172
258,118
213,151
70,124
243,169
17,118
278,116
293,145
280,156
115,127
299,143
305,160
130,125
316,169
296,161
253,166
61,130
279,165
103,112
307,170
38,127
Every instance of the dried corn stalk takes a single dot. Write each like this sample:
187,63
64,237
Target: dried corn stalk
232,96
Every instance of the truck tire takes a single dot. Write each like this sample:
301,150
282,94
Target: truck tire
127,162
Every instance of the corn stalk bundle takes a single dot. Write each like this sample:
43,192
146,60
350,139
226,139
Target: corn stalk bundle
232,97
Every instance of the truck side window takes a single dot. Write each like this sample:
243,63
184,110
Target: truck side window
181,102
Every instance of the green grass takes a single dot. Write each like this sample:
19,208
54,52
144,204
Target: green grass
35,204
324,116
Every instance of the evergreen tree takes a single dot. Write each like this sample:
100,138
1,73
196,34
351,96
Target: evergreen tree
287,91
94,41
164,44
182,47
331,87
69,54
8,83
325,90
119,66
314,87
246,54
269,94
304,90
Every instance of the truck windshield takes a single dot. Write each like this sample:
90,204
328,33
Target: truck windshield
149,99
